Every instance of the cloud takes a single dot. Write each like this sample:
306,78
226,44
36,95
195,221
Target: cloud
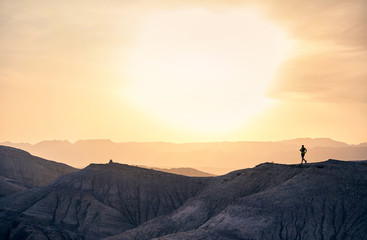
331,77
333,66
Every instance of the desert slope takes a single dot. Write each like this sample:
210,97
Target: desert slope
271,201
318,201
98,201
30,170
9,186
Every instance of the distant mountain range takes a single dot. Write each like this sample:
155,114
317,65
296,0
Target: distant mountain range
115,201
190,172
215,158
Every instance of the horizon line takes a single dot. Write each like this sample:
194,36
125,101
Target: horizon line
174,142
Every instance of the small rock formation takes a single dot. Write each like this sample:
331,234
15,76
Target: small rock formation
110,161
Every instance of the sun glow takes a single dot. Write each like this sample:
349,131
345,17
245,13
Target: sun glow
204,70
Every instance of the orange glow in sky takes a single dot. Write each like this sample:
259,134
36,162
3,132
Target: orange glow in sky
202,70
182,71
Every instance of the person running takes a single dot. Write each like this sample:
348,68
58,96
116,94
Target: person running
303,152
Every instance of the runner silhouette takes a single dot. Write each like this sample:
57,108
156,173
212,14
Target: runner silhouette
303,152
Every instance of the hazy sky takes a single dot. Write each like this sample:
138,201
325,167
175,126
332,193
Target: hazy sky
183,71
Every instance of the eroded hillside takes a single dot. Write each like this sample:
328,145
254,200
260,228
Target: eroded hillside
98,201
271,201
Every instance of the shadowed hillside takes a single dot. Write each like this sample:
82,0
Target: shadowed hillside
318,201
98,201
9,186
271,201
20,166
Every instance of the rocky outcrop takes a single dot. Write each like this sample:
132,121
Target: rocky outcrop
316,201
96,202
22,167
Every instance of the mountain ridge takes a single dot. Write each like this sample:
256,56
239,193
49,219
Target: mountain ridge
97,201
329,194
216,158
120,201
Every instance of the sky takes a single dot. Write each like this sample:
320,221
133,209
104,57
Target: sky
183,71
